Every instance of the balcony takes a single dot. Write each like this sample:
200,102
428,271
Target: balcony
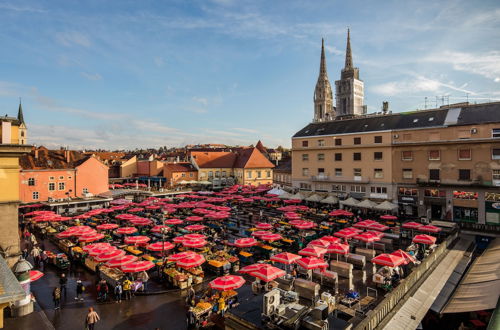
321,178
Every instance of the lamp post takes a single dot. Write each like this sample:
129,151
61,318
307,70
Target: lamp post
68,197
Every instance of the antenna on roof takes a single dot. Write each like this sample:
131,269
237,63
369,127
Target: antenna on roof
425,106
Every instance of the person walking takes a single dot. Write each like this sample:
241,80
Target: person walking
92,318
56,296
35,253
63,281
144,277
79,290
190,296
127,287
118,292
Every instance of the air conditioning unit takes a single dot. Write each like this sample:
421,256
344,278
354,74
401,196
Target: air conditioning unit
271,302
50,199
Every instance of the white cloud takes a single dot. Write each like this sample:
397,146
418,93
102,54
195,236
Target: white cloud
91,76
9,6
201,100
416,85
72,38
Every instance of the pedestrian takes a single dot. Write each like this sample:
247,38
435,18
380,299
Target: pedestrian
127,287
261,214
25,253
92,319
63,280
144,277
118,292
80,288
190,296
56,296
35,253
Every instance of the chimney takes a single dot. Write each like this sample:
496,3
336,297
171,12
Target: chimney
36,153
385,107
67,154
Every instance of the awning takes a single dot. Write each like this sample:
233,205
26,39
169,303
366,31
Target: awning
366,204
480,288
386,206
297,196
330,200
349,202
314,198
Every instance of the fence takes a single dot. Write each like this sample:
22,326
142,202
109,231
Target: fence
374,317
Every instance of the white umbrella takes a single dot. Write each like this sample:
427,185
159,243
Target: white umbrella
330,200
349,202
386,206
314,198
366,204
297,196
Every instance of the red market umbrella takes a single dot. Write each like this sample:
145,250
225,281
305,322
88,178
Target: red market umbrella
137,266
226,283
259,233
195,227
180,255
400,253
141,222
388,217
312,263
364,223
126,230
305,225
245,242
107,226
92,237
295,222
412,225
137,239
345,233
330,239
160,228
264,226
179,239
366,237
159,246
173,222
195,236
35,275
313,251
136,209
424,239
319,243
271,237
338,248
89,247
121,261
100,249
268,273
194,243
191,261
109,255
378,226
286,258
251,268
194,218
388,260
429,229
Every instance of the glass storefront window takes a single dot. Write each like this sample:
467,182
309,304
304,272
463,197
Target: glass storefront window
465,195
434,193
492,197
408,191
465,214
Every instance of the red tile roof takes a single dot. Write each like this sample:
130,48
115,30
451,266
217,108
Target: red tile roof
252,158
180,167
214,159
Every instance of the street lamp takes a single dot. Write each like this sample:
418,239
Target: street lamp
68,194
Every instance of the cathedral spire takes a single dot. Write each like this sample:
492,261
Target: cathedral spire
348,53
322,65
20,116
323,96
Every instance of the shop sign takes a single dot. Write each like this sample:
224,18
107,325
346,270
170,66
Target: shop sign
493,207
407,199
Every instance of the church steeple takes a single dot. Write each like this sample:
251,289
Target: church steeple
20,116
348,53
323,96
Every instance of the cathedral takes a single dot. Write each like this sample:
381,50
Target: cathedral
349,90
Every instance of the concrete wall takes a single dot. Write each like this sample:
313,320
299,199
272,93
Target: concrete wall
9,232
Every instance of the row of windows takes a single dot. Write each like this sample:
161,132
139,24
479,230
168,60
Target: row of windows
32,181
434,174
338,141
462,154
378,155
378,173
343,188
191,174
36,195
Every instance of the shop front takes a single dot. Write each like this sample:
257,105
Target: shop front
492,208
465,206
435,203
408,201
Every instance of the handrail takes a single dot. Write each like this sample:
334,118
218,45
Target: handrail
384,308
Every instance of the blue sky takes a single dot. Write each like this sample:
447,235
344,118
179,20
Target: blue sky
127,74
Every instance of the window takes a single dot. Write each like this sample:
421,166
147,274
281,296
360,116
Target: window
249,174
305,157
35,195
69,178
406,155
357,172
378,173
464,154
305,144
183,175
495,153
321,143
356,156
465,195
259,174
321,171
378,190
408,191
224,174
305,186
407,173
357,140
434,174
321,157
338,187
210,174
52,186
358,188
305,172
377,155
217,174
463,175
61,185
495,132
338,157
61,178
85,191
495,174
51,178
268,174
338,172
377,139
338,142
31,181
202,174
434,155
435,193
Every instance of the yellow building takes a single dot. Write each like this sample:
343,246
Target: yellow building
12,145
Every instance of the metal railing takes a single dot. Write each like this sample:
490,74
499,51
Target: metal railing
384,308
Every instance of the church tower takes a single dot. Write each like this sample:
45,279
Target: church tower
349,90
323,96
23,130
